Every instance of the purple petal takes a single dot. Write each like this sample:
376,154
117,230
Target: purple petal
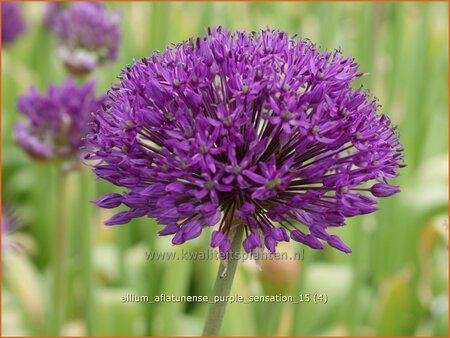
337,243
309,240
254,177
169,229
217,238
192,230
178,238
271,243
176,187
384,190
122,217
224,248
108,201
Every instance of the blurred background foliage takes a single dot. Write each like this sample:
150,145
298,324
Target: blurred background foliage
394,283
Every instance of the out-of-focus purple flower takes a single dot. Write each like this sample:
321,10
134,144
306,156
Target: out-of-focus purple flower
12,22
260,128
57,121
88,36
52,10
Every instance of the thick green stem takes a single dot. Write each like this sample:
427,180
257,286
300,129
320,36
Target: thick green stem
222,287
59,254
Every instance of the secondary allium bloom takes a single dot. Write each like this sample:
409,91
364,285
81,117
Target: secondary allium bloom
12,22
88,36
256,130
52,11
57,121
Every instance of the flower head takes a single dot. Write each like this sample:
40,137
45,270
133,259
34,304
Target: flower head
57,121
88,36
52,11
12,22
257,130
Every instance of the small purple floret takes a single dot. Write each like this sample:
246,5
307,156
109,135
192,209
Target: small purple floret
258,130
109,201
384,190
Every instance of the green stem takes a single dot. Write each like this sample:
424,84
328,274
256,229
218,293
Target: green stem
82,78
87,193
59,255
222,287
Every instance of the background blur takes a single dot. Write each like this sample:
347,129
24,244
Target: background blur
394,283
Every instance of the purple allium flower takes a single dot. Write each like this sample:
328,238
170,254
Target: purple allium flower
88,36
257,130
12,22
57,121
52,10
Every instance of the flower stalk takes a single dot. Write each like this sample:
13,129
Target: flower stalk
86,215
222,286
60,251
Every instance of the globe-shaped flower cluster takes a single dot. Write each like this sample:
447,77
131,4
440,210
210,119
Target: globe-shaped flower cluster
13,24
88,36
255,130
57,121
